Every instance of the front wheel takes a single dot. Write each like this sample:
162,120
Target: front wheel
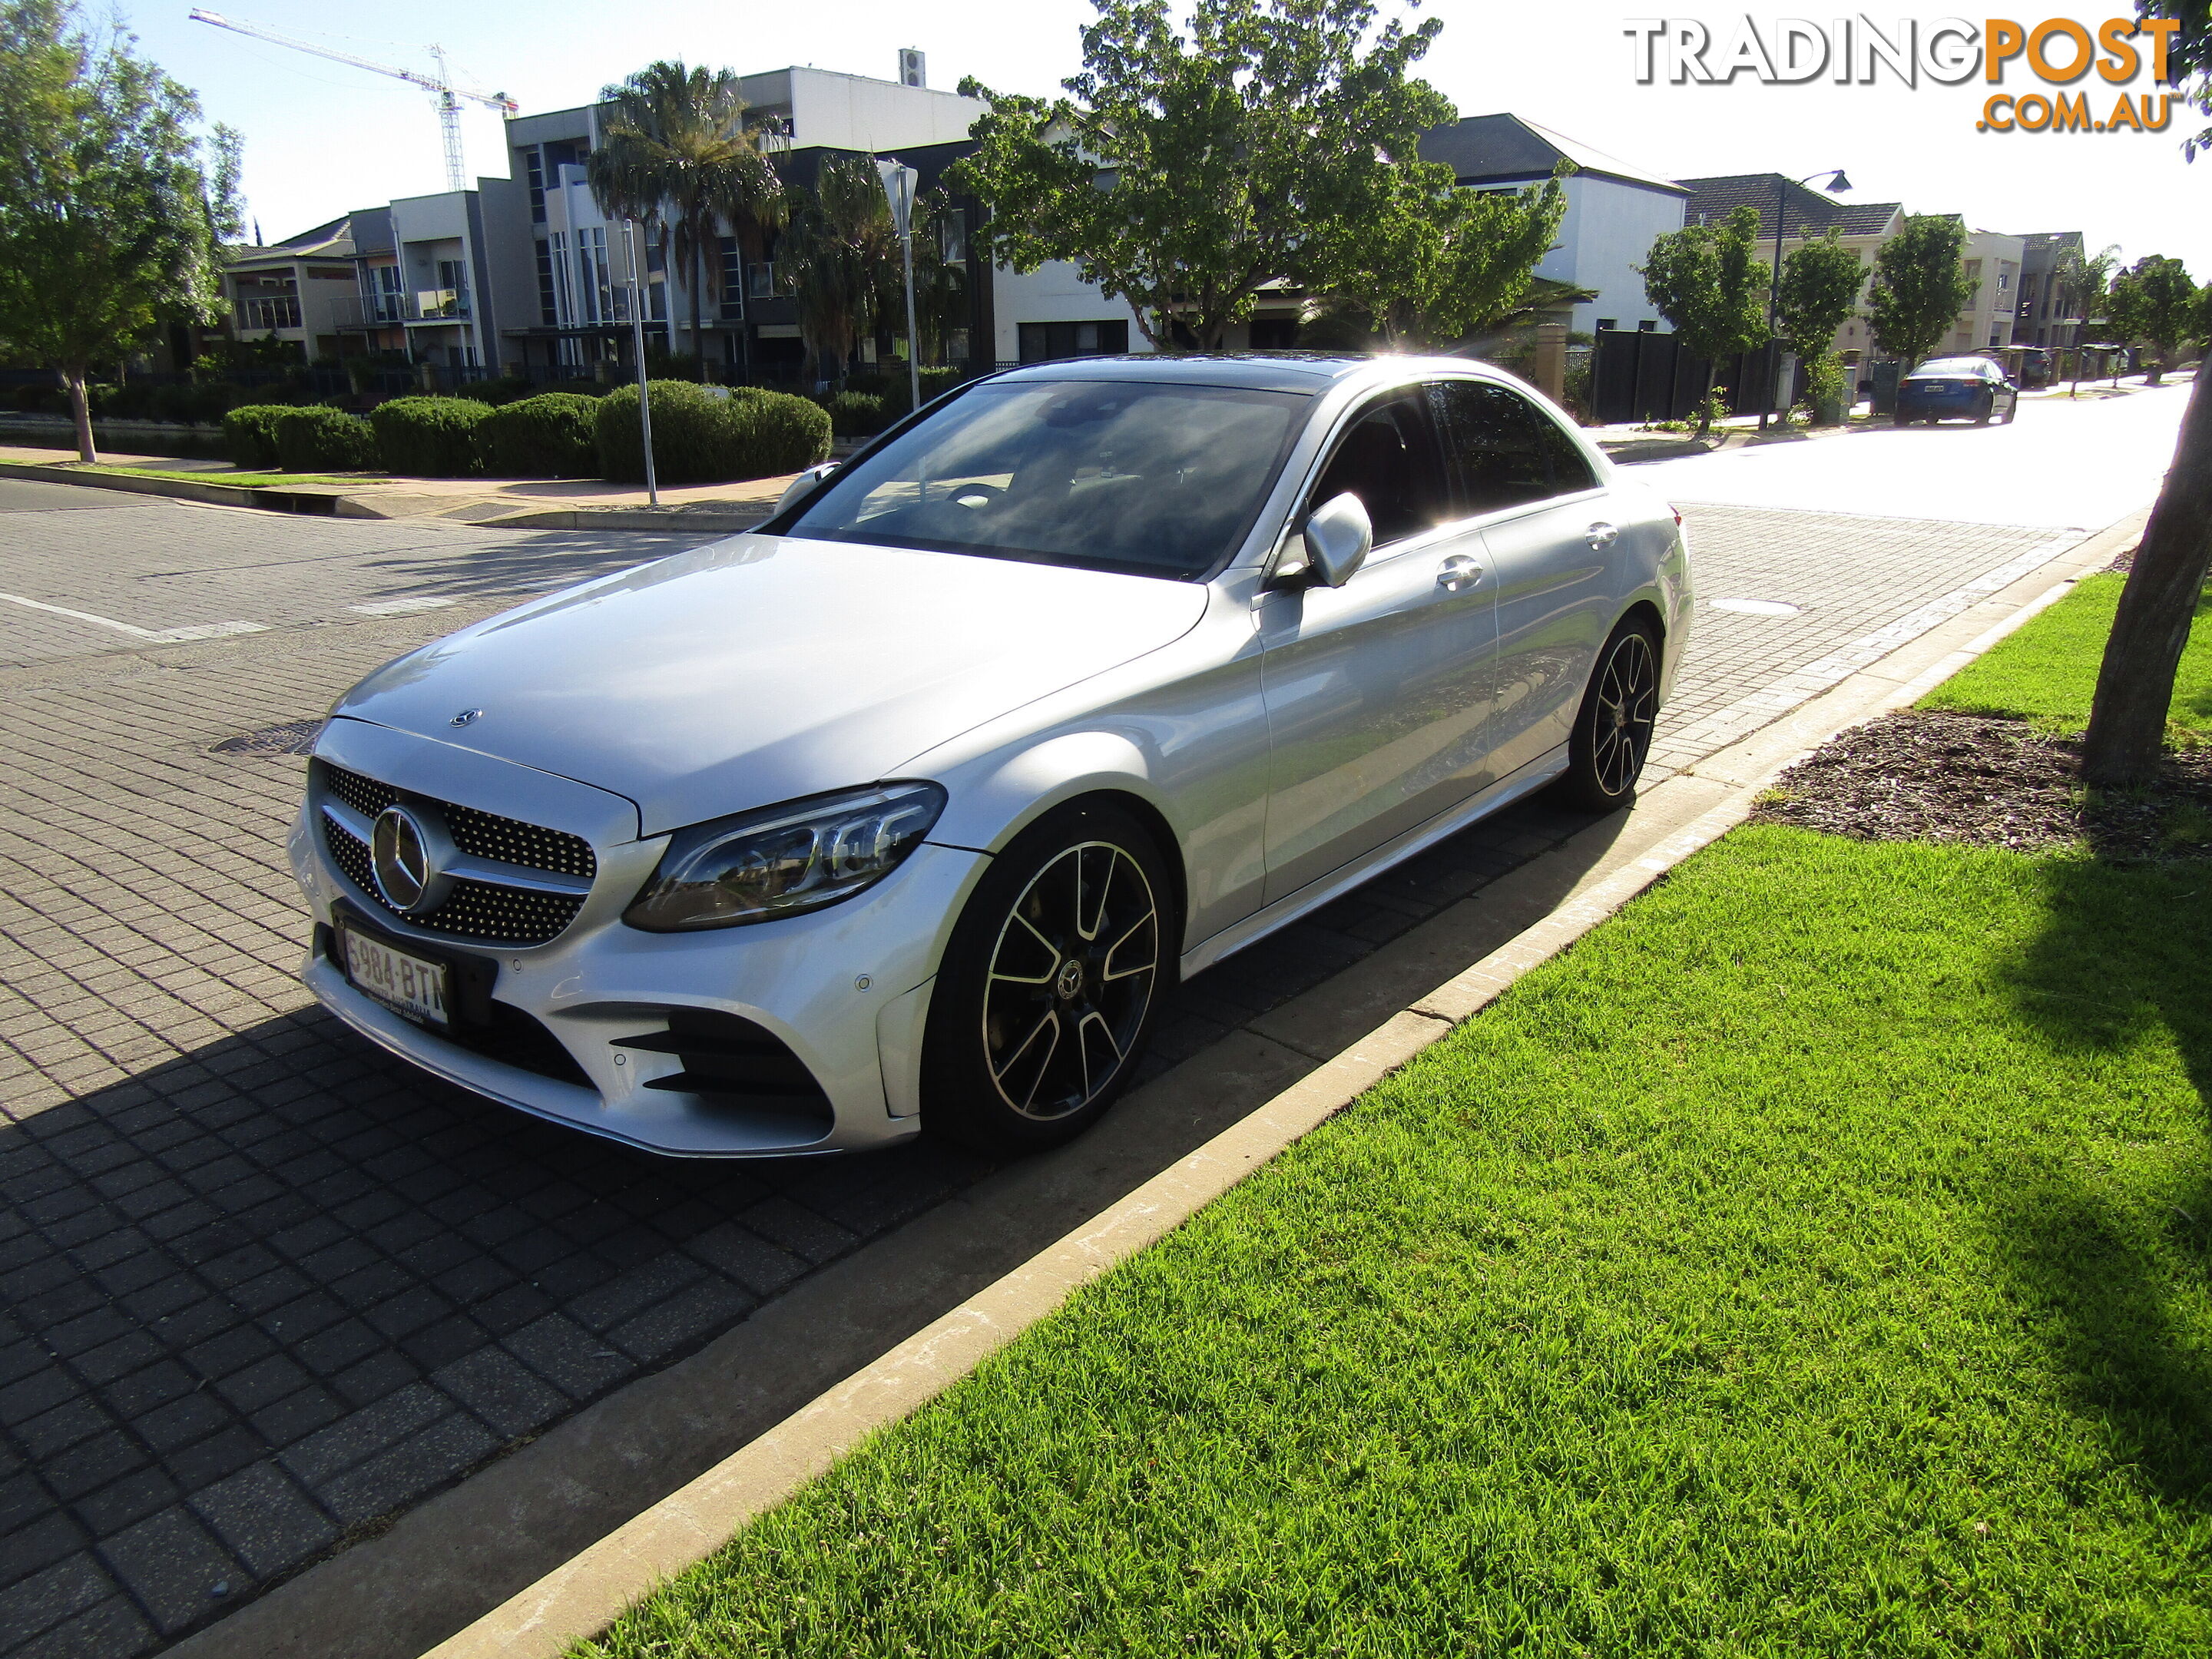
1613,733
1045,998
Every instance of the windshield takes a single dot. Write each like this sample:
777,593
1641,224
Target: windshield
1153,478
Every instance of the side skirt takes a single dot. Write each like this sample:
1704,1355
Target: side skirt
1315,893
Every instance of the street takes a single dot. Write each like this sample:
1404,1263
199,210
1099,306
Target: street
267,1289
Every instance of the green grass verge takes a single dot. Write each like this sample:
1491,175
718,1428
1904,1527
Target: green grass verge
2046,671
243,480
1813,1260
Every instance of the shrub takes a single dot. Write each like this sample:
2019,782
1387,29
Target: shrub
553,435
898,395
856,414
507,389
784,433
429,437
325,439
249,434
699,437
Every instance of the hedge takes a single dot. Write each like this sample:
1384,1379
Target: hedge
249,432
429,437
857,414
553,435
700,437
317,439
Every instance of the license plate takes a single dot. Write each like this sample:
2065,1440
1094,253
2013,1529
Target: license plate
406,985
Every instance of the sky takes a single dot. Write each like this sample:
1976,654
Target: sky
322,137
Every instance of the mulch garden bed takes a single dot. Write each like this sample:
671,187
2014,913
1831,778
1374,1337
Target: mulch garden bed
1989,782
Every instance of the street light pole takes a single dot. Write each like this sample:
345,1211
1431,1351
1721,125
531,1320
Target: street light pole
634,252
1774,272
899,181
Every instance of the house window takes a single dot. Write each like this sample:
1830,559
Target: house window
760,281
731,278
1605,323
534,161
548,303
953,235
1649,325
595,295
563,279
1045,343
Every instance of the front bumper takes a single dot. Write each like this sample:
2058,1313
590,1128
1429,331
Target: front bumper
845,989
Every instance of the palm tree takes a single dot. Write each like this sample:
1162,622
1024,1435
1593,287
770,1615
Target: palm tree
676,154
840,258
2082,281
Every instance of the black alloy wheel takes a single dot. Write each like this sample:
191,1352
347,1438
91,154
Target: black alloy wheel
1613,733
1045,998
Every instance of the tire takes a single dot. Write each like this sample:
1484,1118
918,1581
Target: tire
1021,977
1982,415
1900,418
1612,731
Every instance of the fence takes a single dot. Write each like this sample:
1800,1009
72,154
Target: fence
1640,377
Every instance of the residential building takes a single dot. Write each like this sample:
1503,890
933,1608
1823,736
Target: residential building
293,290
2047,315
1862,226
1614,209
1993,267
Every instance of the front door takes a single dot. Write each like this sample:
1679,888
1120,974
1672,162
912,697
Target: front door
1375,691
1550,545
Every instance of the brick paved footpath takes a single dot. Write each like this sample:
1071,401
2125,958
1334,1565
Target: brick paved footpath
263,1288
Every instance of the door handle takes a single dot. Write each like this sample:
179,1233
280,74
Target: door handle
1458,573
1602,535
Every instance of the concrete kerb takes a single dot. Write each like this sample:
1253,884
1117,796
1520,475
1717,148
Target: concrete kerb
586,1593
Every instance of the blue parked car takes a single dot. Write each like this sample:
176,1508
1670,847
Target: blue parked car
1956,389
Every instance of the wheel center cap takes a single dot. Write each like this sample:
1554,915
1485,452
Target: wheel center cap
1068,980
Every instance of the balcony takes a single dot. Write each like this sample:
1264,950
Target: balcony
385,310
440,305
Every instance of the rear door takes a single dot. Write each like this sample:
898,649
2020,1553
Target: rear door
1376,691
1550,545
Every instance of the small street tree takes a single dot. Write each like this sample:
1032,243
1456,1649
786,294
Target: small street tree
111,207
1183,172
1707,280
1819,290
677,155
2153,301
2082,281
2126,737
1920,287
1439,263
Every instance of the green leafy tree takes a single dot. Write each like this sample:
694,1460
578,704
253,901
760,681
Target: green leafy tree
1920,287
1709,283
2189,61
840,255
1184,173
2082,281
2200,320
2135,686
1438,263
2154,303
1820,289
677,155
113,208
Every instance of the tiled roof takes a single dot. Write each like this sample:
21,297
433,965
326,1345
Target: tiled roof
1802,209
1503,149
333,241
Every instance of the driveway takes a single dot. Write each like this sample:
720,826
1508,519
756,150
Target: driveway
266,1289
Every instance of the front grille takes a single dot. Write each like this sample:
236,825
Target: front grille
480,834
474,909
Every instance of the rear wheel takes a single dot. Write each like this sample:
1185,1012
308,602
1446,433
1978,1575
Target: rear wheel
1044,1001
1989,408
1613,733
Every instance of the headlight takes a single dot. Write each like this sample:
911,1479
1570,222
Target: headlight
782,859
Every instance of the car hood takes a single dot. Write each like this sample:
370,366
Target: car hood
766,667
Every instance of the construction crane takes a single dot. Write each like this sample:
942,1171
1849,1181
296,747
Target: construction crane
449,96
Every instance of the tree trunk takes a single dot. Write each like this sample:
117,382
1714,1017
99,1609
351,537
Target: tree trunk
80,413
2157,368
698,282
2135,686
1705,403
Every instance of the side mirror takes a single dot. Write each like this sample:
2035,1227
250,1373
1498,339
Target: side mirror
805,483
1338,537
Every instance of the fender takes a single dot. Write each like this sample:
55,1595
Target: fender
997,800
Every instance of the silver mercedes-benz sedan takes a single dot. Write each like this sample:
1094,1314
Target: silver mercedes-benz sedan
904,810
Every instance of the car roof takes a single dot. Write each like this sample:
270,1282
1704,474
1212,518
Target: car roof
1308,372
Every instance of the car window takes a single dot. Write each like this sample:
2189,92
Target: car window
1388,457
1150,477
1507,451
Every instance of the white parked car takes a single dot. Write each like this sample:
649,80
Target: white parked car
907,808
